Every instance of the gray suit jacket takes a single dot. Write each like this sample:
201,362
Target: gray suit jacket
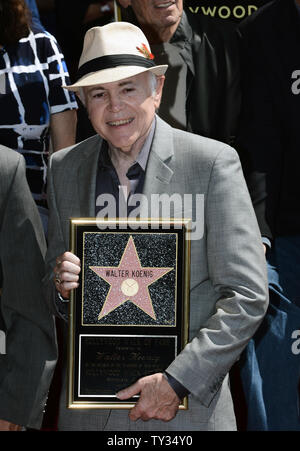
28,352
228,296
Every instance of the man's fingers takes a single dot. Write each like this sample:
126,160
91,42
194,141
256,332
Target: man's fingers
68,257
129,391
63,276
67,286
136,414
137,411
157,399
141,411
66,273
67,266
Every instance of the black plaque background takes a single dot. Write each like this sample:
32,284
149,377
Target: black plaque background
123,355
152,332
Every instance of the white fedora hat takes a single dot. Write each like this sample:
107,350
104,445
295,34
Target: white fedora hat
113,52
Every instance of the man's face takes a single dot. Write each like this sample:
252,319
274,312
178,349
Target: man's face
157,13
122,111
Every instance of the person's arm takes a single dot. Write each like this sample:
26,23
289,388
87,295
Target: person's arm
63,105
28,364
237,271
63,129
62,267
56,247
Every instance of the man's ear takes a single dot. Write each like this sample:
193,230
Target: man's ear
160,80
124,3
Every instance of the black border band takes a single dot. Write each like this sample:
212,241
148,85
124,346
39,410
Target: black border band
107,62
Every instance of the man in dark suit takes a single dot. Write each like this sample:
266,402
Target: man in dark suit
268,142
202,91
27,338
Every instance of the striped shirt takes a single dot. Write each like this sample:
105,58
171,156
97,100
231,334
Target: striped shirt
31,75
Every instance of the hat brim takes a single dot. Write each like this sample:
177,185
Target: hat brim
114,74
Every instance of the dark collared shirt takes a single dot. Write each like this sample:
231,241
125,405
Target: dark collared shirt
178,55
108,180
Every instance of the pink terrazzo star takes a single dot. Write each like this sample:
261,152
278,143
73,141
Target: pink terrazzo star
129,282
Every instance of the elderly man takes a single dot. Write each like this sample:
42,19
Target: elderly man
121,87
201,92
27,331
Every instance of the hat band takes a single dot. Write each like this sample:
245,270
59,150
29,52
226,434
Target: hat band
110,61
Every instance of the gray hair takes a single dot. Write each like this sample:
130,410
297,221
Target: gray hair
152,83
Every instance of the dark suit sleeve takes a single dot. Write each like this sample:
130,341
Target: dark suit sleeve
27,366
56,247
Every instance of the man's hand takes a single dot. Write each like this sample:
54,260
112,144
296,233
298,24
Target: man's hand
8,426
66,273
157,398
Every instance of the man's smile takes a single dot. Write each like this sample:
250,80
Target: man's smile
165,4
120,122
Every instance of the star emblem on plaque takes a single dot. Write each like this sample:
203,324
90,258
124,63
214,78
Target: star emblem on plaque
129,282
132,288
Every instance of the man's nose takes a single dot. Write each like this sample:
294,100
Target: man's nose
115,103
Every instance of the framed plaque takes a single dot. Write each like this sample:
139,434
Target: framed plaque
129,316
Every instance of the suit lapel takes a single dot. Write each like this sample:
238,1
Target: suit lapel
159,171
86,178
